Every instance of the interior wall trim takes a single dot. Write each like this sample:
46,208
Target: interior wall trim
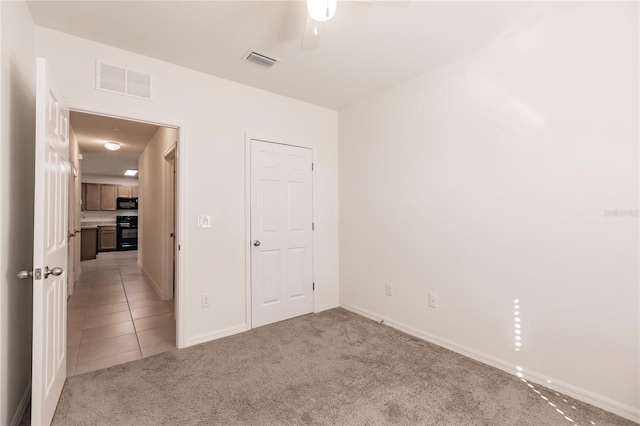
622,410
155,285
17,416
325,307
207,337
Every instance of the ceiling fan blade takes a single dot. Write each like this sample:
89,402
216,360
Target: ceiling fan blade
311,34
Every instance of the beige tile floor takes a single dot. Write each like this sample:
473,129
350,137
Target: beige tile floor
115,316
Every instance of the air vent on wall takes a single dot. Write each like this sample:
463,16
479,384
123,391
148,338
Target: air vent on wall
260,59
115,79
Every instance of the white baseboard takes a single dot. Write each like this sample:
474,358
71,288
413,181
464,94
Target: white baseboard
23,404
74,281
207,337
622,410
153,283
326,307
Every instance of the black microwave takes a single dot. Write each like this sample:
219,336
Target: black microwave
127,203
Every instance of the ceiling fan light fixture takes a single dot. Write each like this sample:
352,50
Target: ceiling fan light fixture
322,10
112,146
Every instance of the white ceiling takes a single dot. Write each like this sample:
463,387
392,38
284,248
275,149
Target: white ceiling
93,131
366,47
103,165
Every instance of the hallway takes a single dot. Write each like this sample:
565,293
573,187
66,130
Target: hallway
115,316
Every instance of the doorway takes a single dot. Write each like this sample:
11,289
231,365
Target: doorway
119,311
281,238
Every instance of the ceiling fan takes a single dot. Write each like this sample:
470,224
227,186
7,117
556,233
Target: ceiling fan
320,11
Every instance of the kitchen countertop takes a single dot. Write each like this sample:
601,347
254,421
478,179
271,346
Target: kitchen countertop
96,223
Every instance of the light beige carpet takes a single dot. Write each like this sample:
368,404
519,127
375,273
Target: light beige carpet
329,368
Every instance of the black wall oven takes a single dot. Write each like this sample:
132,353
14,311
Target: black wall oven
127,232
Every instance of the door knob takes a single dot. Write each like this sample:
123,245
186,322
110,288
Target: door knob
24,274
57,271
256,243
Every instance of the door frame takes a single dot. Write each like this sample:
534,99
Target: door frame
167,252
73,242
181,184
248,137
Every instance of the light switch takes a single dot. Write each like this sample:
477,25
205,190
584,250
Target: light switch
204,221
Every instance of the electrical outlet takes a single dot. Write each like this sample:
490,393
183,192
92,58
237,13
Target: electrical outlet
206,300
388,289
433,300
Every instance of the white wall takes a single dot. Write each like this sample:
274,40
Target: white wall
214,115
152,205
17,133
487,180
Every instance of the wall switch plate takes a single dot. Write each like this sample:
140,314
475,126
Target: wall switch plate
388,289
206,300
433,300
204,221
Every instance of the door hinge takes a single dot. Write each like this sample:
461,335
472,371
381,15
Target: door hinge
178,247
313,226
37,274
311,166
314,287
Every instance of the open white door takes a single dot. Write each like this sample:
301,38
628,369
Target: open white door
281,232
49,250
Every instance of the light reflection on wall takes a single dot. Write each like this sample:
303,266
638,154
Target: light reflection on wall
516,319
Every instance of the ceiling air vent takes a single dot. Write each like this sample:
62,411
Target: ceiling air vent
260,59
116,79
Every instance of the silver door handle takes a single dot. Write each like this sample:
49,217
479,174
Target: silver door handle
24,274
57,271
257,243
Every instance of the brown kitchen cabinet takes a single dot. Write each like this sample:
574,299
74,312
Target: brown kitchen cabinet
124,191
104,196
107,239
127,191
91,196
88,243
108,195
